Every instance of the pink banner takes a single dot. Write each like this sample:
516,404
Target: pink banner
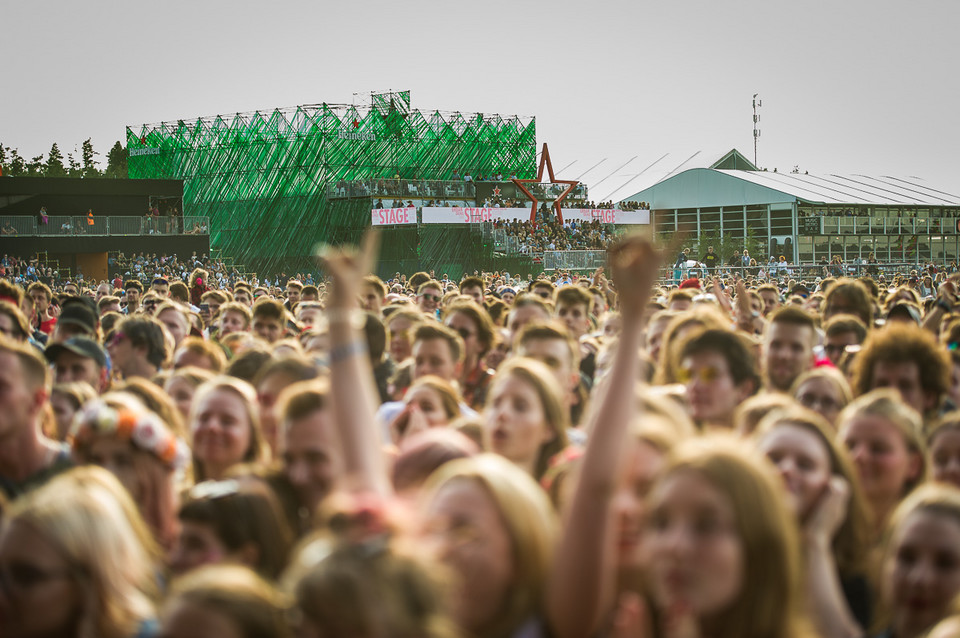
394,216
464,215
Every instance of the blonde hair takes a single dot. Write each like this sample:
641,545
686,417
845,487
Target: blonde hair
87,515
258,452
887,404
827,373
769,602
449,398
548,391
530,522
852,539
237,593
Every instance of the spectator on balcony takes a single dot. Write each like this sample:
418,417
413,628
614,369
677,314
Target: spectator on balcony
8,229
44,218
90,218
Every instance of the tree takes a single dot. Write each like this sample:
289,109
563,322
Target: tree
117,162
73,166
36,167
89,163
54,166
17,167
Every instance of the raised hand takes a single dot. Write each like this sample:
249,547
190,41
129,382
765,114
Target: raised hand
830,510
634,265
347,267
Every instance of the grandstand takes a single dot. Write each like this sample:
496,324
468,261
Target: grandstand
263,178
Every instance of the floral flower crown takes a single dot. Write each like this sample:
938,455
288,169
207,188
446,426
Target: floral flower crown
146,431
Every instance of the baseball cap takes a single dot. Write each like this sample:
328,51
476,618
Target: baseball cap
693,282
78,314
80,346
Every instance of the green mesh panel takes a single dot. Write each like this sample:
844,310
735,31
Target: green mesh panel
262,177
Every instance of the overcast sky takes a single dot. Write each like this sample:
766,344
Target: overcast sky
847,87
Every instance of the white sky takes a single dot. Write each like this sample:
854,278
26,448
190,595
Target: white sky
847,87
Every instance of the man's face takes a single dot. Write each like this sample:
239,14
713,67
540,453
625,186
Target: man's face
474,292
311,456
133,296
544,292
19,404
70,366
71,289
433,356
575,317
788,353
162,290
555,354
371,300
40,301
267,328
835,345
176,324
231,322
429,300
520,317
771,301
242,296
110,307
309,317
103,290
293,295
903,376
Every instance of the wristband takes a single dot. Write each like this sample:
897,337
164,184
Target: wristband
346,351
356,318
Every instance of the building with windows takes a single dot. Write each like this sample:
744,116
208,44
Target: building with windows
809,217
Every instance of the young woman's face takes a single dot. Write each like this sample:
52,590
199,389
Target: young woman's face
695,554
884,462
181,391
515,421
63,412
823,397
221,430
922,573
41,595
711,390
945,456
119,458
430,404
642,463
468,535
197,545
803,463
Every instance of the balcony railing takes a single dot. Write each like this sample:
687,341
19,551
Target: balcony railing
115,226
837,225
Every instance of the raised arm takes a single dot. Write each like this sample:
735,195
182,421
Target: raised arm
581,587
353,395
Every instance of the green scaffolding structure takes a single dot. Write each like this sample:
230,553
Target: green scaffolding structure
262,177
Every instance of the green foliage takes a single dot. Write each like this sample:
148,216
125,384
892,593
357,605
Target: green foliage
14,165
89,163
117,162
54,166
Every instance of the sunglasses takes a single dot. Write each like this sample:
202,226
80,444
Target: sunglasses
436,298
706,374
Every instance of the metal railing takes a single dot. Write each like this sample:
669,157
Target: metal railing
81,225
574,259
804,270
844,225
401,188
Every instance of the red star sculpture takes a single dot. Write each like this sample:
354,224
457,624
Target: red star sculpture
496,191
571,184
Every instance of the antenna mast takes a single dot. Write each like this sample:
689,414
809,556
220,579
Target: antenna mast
756,126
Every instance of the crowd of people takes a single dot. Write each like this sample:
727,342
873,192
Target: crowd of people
575,456
552,235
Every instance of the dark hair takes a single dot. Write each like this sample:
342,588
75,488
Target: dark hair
433,330
856,294
133,283
146,331
840,324
241,513
729,345
472,282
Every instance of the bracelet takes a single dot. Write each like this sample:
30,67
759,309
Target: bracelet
346,351
356,318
